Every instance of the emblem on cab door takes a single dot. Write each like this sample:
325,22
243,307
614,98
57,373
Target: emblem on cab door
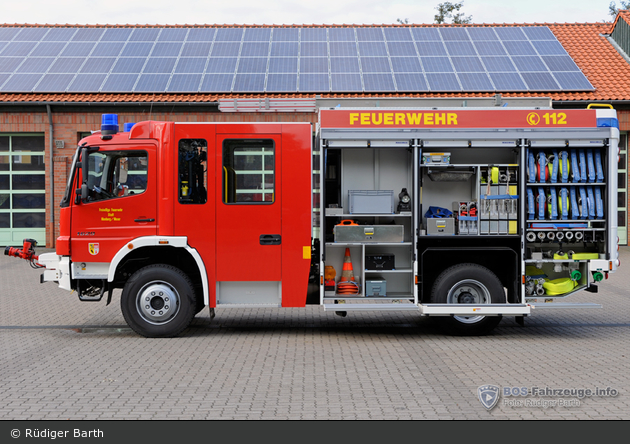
93,248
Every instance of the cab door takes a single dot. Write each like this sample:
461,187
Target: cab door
248,219
121,203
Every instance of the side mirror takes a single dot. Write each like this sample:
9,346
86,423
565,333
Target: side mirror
84,164
84,192
85,168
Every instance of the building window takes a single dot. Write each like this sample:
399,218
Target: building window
22,188
622,190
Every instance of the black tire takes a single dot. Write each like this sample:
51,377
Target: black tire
158,301
467,283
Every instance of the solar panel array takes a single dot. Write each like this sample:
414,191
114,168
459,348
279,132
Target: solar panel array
285,60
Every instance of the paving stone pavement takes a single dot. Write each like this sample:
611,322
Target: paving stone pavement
65,359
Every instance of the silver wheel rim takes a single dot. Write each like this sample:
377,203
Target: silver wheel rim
468,291
158,302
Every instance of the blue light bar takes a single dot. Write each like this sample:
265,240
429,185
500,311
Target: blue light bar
607,122
127,126
109,124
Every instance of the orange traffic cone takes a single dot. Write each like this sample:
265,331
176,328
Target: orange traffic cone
347,273
347,285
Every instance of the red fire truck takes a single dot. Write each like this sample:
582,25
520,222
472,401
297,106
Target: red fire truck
464,215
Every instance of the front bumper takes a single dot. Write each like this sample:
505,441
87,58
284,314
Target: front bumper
57,269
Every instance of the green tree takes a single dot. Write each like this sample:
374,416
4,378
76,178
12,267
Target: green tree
613,10
448,10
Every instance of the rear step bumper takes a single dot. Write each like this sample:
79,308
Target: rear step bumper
475,310
567,305
461,310
371,307
438,309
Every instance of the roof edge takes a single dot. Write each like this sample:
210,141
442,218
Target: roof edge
345,25
621,14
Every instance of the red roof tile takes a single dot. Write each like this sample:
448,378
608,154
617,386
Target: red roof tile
586,43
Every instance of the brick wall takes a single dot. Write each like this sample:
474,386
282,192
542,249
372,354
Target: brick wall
624,120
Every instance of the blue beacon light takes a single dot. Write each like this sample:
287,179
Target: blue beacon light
109,124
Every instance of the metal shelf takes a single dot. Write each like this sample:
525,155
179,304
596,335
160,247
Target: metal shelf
402,270
467,165
369,244
388,244
534,230
557,261
470,236
564,221
368,215
564,184
390,296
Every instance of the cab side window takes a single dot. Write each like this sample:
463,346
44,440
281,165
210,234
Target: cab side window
116,174
248,171
192,171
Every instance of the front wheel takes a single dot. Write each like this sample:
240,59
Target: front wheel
468,284
158,301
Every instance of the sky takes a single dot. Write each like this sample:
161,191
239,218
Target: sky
304,12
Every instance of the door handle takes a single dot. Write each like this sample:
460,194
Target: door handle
270,239
144,220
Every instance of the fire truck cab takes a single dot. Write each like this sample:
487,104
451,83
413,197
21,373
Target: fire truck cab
463,215
183,216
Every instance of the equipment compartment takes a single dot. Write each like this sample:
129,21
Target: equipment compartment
370,185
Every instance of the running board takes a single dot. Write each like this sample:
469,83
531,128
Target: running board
475,310
370,307
566,305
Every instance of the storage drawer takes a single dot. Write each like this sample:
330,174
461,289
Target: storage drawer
368,233
441,226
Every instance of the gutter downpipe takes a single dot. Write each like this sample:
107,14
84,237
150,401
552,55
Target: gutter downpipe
51,144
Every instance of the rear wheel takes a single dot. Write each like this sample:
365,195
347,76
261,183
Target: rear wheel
467,284
158,301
